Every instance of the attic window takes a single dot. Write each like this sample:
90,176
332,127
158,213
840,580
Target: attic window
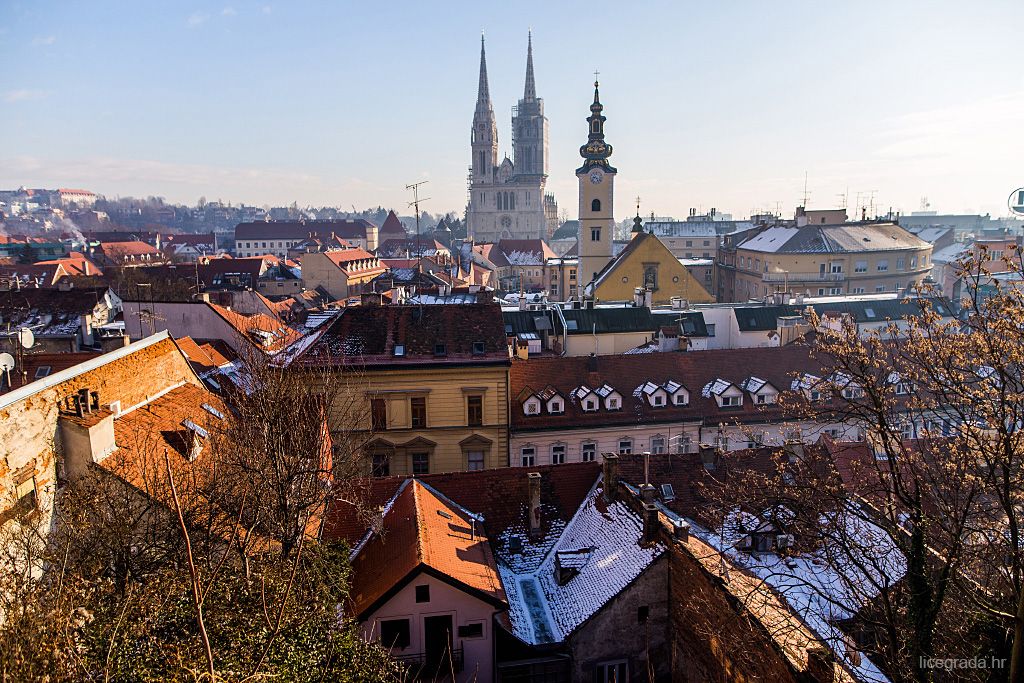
667,492
440,349
681,399
869,312
613,403
213,411
399,350
42,371
478,348
590,405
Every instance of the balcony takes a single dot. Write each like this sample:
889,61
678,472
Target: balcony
430,666
803,277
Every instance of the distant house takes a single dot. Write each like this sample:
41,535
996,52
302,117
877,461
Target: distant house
133,253
646,264
277,237
392,229
341,273
61,321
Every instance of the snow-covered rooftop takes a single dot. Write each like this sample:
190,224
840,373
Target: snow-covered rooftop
601,543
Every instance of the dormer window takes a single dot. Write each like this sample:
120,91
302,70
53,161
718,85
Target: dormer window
613,403
399,350
658,400
681,398
556,406
532,406
731,401
590,405
903,389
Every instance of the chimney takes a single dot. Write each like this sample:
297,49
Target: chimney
648,298
610,476
647,493
708,456
86,438
533,479
638,296
794,451
681,530
651,523
821,667
592,363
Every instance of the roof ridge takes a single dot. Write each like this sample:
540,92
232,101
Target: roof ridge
420,531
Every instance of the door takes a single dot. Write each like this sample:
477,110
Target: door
437,637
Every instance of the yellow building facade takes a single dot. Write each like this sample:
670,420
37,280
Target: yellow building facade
648,264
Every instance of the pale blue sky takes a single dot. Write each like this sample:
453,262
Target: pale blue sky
711,104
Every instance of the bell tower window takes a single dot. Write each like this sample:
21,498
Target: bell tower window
595,205
595,234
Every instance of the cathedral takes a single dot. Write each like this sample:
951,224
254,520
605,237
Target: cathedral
507,198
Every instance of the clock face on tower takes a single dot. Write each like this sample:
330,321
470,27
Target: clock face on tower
596,177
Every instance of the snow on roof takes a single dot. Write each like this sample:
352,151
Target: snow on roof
716,387
770,240
824,586
541,610
647,388
525,258
806,381
753,384
604,391
671,386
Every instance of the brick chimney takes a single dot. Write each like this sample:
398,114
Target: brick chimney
647,493
533,480
651,523
708,456
610,476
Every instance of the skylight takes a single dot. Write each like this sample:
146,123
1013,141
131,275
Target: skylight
195,428
213,411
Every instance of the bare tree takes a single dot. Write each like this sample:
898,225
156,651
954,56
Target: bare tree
937,481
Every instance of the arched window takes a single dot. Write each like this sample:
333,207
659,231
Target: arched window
595,205
596,127
512,197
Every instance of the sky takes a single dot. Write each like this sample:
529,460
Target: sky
709,104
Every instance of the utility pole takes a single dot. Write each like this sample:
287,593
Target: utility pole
415,203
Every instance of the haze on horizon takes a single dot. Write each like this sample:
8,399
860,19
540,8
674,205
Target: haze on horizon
723,105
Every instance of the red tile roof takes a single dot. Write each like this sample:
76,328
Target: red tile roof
252,327
392,226
31,363
422,531
352,260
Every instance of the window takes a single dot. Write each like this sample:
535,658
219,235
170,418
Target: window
420,463
901,263
474,461
558,454
475,410
642,613
858,290
612,672
556,407
25,493
658,400
440,349
474,629
883,265
394,633
903,388
595,234
42,371
478,348
588,452
860,267
418,412
711,329
595,205
836,268
378,414
613,403
681,399
381,465
651,277
423,593
625,446
835,290
880,288
528,456
658,444
589,405
689,243
732,401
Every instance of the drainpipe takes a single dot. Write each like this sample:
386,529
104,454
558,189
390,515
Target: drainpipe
565,330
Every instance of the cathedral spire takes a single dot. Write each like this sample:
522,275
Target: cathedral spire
483,94
530,93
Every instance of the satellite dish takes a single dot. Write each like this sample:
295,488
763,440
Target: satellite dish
1016,201
6,362
26,337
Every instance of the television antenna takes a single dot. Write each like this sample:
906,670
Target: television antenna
806,196
415,187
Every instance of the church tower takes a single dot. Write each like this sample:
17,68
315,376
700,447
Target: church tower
530,126
484,139
597,181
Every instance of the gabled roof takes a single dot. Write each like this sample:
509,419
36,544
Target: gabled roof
392,225
423,531
266,333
